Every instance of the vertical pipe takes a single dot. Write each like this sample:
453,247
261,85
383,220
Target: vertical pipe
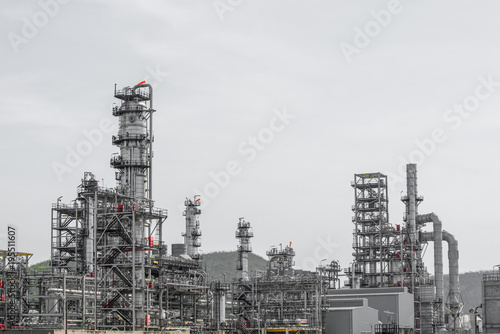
437,237
134,238
150,192
161,309
454,296
147,308
232,303
65,306
160,264
281,304
356,236
51,240
84,308
401,236
181,307
95,260
411,184
381,220
143,267
76,238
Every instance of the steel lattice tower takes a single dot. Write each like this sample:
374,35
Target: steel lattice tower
376,243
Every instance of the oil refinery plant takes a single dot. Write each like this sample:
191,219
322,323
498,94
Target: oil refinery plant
110,268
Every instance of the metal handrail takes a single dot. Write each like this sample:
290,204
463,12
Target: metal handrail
122,162
491,277
130,92
128,136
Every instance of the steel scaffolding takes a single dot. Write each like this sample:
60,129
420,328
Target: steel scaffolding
376,243
13,269
108,272
278,302
393,256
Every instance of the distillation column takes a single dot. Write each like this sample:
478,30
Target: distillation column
243,233
133,140
192,236
133,163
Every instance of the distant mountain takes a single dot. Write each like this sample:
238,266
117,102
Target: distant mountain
219,263
470,289
216,264
40,266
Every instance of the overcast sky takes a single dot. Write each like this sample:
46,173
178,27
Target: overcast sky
358,87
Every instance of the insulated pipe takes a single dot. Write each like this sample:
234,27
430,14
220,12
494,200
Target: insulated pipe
437,237
454,296
411,191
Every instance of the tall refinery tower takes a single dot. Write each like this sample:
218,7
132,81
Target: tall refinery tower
108,233
243,234
193,232
135,141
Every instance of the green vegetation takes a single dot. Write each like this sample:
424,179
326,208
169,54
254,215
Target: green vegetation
470,289
216,264
40,266
219,263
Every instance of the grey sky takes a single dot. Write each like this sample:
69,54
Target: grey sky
225,80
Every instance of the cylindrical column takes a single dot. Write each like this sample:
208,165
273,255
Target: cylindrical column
193,232
244,234
411,188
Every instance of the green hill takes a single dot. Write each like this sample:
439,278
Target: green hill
40,266
470,289
219,263
216,264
